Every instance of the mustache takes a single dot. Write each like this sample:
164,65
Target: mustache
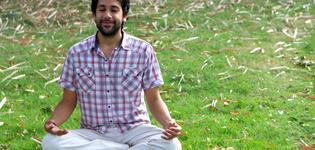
107,20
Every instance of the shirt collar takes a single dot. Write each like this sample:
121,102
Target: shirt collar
124,44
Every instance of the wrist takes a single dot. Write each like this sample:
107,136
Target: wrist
168,123
50,121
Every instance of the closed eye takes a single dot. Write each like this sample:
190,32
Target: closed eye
115,9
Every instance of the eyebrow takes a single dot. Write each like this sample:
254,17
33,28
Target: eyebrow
102,5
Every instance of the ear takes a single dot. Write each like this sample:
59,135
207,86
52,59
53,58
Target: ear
125,18
93,16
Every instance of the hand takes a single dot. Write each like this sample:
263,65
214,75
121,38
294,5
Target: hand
52,128
171,130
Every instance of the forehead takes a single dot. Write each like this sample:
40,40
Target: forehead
108,3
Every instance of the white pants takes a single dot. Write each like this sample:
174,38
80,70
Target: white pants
144,137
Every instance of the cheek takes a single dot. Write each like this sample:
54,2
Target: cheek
98,16
97,19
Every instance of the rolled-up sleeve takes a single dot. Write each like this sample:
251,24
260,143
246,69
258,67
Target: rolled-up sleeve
68,74
152,76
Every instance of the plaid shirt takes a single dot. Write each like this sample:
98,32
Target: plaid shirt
110,90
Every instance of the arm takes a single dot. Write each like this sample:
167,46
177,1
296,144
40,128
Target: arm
61,113
160,111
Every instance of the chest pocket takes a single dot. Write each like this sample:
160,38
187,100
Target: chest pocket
85,79
132,79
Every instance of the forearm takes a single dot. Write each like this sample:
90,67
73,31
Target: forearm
65,107
62,112
160,111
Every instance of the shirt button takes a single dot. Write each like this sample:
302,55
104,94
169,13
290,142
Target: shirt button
107,75
110,120
107,91
108,107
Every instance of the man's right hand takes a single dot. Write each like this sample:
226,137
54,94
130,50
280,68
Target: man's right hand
52,128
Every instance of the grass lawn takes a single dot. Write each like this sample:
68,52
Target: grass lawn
238,74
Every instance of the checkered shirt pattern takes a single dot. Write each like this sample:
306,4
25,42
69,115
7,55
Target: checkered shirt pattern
110,90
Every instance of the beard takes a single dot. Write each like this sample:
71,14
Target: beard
109,32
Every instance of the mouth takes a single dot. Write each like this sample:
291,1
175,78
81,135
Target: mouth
107,24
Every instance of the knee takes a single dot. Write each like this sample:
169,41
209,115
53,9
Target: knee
174,144
50,142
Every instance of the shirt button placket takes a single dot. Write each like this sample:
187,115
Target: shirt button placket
109,98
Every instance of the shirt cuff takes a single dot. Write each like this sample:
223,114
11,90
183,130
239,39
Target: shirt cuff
67,85
153,84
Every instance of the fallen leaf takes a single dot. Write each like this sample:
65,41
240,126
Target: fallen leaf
229,148
234,113
183,133
42,97
311,97
14,67
51,81
306,147
3,102
18,77
37,140
225,103
9,76
256,50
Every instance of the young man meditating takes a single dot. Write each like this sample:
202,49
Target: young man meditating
108,74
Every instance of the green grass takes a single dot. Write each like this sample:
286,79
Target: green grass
269,107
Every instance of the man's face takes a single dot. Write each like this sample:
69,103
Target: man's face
109,17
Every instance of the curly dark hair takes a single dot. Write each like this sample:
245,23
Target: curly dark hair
125,5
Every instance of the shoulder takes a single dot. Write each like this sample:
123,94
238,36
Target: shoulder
138,45
83,46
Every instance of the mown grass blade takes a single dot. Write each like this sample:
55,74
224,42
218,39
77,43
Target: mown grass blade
3,101
51,81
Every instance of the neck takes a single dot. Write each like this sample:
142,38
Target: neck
109,41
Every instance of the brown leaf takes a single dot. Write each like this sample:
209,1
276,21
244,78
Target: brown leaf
306,147
311,97
25,41
183,133
234,113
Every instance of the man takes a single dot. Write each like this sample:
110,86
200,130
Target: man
108,74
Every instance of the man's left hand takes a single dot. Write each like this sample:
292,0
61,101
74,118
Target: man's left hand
171,130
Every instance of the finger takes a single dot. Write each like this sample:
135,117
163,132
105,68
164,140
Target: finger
55,130
171,132
62,132
164,137
49,127
167,135
173,124
174,133
49,124
176,129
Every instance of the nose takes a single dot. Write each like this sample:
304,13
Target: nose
107,15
